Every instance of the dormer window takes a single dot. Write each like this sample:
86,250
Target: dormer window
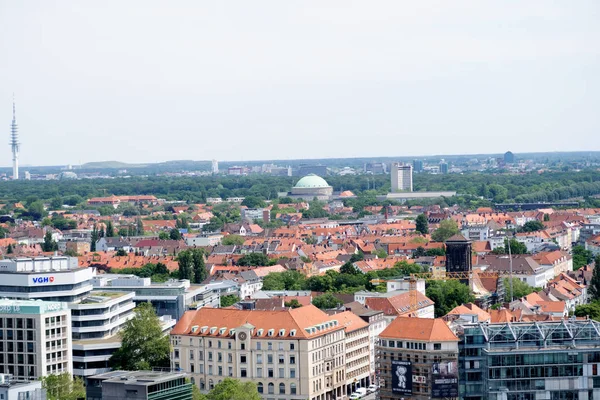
282,332
213,330
203,329
259,332
271,332
293,332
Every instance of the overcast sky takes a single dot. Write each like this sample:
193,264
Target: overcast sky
148,81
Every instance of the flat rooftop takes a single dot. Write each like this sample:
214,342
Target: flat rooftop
100,297
145,378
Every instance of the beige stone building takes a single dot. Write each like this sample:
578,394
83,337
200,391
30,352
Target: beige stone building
293,354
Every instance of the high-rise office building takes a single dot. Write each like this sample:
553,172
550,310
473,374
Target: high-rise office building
509,157
418,165
36,338
443,167
215,167
401,176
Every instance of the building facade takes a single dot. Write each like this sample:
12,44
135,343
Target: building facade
139,385
401,176
417,359
45,278
35,338
530,360
296,354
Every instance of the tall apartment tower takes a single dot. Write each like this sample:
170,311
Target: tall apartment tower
401,175
14,142
215,167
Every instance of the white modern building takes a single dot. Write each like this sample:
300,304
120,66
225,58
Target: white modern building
35,338
401,175
14,389
45,278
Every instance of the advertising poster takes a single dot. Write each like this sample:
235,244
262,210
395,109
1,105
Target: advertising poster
402,377
444,380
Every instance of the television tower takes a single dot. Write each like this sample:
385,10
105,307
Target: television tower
14,142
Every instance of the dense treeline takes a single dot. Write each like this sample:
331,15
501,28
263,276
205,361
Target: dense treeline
497,188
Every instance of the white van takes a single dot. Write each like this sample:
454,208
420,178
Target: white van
361,392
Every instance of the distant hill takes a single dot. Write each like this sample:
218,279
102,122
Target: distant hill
110,164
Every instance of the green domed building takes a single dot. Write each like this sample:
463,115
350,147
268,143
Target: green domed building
312,186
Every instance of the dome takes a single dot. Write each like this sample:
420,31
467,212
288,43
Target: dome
312,181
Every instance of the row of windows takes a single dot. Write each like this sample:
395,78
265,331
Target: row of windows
19,346
9,334
410,345
270,372
18,323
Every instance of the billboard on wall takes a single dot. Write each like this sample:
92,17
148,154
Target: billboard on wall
402,377
444,379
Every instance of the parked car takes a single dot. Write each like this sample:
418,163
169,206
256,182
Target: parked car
372,388
355,396
360,391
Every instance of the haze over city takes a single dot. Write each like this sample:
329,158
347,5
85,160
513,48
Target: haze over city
146,81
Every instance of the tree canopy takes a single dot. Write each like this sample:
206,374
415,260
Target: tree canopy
232,240
422,224
581,257
532,226
233,389
326,301
520,289
447,295
63,387
447,229
143,344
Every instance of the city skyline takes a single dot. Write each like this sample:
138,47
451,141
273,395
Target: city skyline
426,78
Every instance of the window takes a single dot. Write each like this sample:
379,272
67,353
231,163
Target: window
259,387
219,344
292,388
292,373
269,346
281,373
230,371
210,356
269,358
229,358
243,359
259,358
229,345
437,346
243,346
271,388
259,372
292,359
219,357
210,343
243,373
176,355
210,371
281,359
269,371
191,354
258,346
220,371
192,368
281,388
292,346
280,345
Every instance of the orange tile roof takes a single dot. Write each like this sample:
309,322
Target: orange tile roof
298,319
502,315
423,329
471,308
552,306
397,305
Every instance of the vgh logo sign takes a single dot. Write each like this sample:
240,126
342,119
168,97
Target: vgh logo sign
43,279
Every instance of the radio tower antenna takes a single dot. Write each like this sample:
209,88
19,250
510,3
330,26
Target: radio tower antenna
14,141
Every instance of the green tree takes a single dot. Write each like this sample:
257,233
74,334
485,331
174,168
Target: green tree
447,295
422,224
56,203
273,281
233,389
199,267
532,226
186,265
110,230
439,251
232,240
174,234
121,253
381,253
253,202
293,303
49,244
594,286
254,260
349,268
36,210
546,217
326,301
143,343
447,229
229,300
405,268
197,394
581,257
9,249
163,235
95,237
591,310
139,227
520,289
63,387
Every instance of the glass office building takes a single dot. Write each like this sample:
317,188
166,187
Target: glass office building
550,360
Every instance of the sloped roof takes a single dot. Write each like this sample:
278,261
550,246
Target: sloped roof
424,329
